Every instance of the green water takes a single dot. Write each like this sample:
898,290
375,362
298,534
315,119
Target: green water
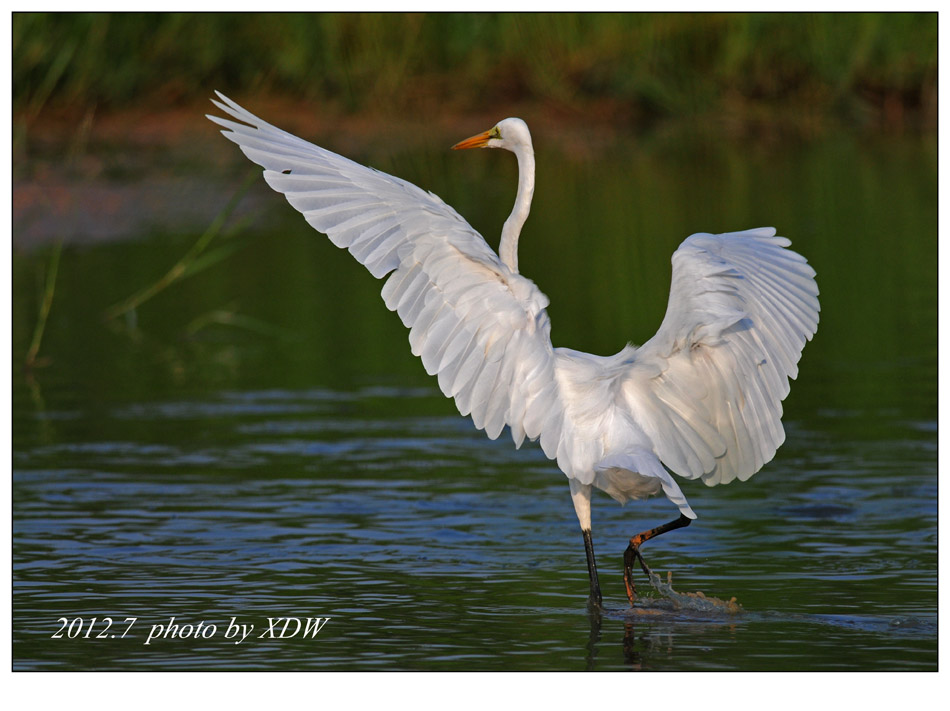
297,462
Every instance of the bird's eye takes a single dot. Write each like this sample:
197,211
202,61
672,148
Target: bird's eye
494,133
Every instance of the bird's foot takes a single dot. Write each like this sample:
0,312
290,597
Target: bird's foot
633,553
628,556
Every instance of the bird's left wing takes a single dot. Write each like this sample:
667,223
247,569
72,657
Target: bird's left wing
708,387
482,328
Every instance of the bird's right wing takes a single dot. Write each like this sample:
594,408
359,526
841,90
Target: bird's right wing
482,328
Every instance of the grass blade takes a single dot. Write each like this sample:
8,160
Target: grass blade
187,264
47,303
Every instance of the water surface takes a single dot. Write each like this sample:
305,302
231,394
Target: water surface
296,462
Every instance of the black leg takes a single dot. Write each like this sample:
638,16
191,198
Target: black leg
633,551
595,596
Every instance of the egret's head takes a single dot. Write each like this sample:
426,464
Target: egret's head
511,133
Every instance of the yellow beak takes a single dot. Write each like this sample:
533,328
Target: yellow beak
478,141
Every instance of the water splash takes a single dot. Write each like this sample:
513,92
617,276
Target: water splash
675,601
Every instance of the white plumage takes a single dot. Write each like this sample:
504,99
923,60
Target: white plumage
702,398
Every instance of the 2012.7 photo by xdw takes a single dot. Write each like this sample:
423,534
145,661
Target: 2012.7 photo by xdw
641,396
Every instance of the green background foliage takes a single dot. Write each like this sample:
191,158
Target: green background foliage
847,66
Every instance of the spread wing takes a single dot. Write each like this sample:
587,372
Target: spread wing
708,387
483,329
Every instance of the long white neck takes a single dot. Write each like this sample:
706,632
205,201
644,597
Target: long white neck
508,247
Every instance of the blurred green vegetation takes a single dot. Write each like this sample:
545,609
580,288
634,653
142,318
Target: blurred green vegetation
869,68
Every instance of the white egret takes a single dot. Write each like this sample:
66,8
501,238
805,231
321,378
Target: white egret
701,399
